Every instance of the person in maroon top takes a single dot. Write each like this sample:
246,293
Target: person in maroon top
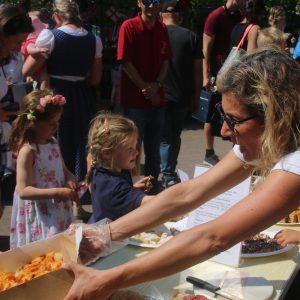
216,47
144,50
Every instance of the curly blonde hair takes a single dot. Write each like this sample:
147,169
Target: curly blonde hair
22,127
107,133
68,10
267,82
271,37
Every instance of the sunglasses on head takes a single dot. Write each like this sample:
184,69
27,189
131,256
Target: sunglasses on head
230,121
148,2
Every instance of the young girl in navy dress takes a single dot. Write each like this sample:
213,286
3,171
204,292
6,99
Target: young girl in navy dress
42,204
113,152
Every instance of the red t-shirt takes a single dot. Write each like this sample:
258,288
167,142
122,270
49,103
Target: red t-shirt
220,23
146,49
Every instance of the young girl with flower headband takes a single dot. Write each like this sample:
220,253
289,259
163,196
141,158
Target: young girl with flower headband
42,204
113,152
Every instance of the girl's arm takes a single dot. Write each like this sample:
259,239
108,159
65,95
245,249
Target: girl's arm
25,182
182,198
271,201
71,180
252,38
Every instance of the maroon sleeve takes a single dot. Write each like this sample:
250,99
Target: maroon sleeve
210,26
125,41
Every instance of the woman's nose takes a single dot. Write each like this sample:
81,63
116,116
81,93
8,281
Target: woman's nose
225,130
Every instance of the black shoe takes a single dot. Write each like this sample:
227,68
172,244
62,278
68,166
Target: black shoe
211,160
155,189
172,182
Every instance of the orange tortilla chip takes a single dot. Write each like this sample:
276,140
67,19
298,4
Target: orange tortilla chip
38,266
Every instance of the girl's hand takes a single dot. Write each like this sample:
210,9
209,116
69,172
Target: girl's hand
71,182
287,236
144,184
65,193
88,284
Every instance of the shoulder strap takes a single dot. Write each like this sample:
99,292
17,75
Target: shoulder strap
248,28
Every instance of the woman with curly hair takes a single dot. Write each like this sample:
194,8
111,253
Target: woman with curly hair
261,112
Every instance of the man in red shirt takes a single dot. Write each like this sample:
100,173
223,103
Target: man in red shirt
144,50
216,43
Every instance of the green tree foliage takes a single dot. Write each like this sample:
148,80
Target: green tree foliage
196,12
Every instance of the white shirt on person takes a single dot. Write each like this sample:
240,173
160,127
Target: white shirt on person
289,163
46,39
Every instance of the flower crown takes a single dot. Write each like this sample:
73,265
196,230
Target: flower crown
39,106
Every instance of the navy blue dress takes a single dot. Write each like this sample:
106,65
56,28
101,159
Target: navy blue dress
73,56
113,195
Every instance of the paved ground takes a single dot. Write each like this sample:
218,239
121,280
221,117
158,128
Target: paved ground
192,152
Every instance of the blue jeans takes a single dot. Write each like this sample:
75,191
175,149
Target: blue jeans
171,141
150,123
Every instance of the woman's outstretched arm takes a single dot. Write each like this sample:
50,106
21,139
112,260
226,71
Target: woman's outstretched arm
266,205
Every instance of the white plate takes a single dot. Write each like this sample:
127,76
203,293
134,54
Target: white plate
151,244
240,284
254,255
270,233
288,224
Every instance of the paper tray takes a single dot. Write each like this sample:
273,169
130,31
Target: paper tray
51,286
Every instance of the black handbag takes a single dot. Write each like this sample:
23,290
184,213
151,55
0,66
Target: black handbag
203,107
206,111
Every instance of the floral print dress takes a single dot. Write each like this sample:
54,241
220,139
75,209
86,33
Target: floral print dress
40,219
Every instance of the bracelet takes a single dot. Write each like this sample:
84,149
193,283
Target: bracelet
160,84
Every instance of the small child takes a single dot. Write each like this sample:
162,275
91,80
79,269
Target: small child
42,204
288,236
113,151
29,48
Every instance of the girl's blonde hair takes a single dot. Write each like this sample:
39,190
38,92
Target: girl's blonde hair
267,82
68,10
271,37
22,127
107,133
274,14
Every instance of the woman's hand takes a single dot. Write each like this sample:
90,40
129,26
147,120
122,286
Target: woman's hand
96,240
287,236
88,284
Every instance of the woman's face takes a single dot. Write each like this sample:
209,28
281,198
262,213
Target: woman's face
13,43
248,133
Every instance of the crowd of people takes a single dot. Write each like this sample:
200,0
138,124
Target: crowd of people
58,144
